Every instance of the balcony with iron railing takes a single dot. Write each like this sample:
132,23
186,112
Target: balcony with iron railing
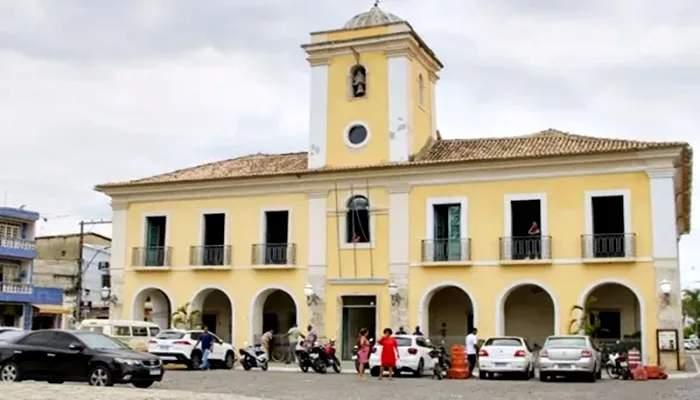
274,255
525,249
153,257
446,251
608,247
15,287
210,257
15,247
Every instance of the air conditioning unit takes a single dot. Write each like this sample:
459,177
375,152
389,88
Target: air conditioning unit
103,265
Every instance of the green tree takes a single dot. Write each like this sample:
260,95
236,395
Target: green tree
584,319
691,306
187,318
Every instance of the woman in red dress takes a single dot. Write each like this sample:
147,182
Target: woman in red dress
390,353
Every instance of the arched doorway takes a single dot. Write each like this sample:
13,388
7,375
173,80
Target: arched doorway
450,308
217,311
619,311
273,309
154,305
530,311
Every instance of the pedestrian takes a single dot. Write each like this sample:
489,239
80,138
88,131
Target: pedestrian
443,333
390,353
311,337
265,341
401,331
417,332
293,335
534,241
362,352
472,350
206,339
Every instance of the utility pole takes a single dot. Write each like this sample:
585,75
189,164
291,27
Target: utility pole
79,283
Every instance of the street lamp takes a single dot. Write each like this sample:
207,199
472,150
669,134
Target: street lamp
665,287
311,297
107,296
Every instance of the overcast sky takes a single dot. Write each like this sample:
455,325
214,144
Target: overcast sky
100,90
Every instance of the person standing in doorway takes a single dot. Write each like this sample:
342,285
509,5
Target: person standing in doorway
534,241
443,333
362,352
472,340
265,341
390,353
293,335
207,340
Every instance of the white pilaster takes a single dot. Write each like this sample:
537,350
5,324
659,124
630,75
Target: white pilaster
399,251
665,251
317,262
118,257
433,111
318,116
399,107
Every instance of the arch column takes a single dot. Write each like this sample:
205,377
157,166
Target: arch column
161,302
317,267
518,285
200,297
258,305
399,252
427,297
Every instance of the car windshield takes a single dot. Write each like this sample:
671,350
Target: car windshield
575,342
170,335
100,341
11,336
503,342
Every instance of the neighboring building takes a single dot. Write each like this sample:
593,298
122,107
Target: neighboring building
57,265
23,303
384,223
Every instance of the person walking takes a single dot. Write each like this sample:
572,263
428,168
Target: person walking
362,352
293,335
471,342
390,353
207,340
265,341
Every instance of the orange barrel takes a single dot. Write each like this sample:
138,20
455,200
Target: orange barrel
460,367
634,359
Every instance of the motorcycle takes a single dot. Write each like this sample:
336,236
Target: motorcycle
441,362
356,360
330,358
253,357
617,366
310,358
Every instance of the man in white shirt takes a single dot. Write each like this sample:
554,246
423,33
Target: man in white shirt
472,350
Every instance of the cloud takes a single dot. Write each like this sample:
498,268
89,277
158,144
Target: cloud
95,91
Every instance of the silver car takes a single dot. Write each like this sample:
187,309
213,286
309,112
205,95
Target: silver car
569,355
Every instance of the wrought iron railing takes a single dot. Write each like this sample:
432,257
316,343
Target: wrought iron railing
15,287
274,254
525,248
17,243
445,250
152,256
211,255
608,245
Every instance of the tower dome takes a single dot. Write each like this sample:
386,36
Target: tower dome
374,17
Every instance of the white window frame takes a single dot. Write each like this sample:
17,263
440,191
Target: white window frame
430,204
263,222
508,220
626,213
346,132
144,233
227,221
15,228
344,244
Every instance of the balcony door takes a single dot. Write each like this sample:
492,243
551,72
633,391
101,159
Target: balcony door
447,231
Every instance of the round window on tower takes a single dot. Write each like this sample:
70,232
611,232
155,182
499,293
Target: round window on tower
356,135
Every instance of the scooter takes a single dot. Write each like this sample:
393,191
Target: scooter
253,357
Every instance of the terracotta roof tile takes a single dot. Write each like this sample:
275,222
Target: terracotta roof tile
548,143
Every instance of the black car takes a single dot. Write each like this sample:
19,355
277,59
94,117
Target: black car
58,356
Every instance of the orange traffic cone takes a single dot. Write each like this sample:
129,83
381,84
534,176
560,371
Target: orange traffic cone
460,367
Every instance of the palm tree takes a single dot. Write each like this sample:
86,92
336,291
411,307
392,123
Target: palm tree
585,320
691,306
187,318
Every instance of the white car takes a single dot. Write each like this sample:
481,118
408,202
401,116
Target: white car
506,355
414,356
176,346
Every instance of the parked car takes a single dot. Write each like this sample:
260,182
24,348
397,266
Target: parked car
59,356
176,346
414,356
9,329
506,355
569,355
136,334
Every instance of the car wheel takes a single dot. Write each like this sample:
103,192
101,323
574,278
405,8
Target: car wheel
543,377
592,377
374,372
143,384
599,374
195,361
419,371
10,373
230,360
100,376
54,382
483,375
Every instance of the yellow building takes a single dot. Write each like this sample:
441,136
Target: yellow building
384,223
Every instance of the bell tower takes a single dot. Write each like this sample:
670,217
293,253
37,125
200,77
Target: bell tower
372,92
